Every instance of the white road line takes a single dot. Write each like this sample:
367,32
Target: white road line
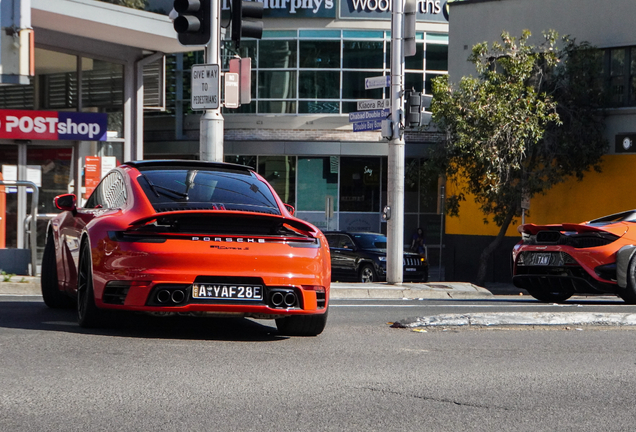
465,306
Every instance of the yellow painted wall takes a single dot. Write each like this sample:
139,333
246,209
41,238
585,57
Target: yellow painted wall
611,191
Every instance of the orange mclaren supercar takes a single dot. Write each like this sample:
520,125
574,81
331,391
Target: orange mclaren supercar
554,262
187,237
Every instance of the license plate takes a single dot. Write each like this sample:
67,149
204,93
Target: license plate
542,259
410,269
227,291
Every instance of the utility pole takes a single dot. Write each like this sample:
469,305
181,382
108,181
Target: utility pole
395,187
211,123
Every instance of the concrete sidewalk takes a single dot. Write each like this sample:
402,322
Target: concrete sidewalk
28,285
431,290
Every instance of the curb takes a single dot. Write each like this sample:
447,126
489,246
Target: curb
520,319
434,290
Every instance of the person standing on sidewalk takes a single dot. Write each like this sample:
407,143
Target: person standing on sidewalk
418,242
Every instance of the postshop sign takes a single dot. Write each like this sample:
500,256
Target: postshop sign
53,125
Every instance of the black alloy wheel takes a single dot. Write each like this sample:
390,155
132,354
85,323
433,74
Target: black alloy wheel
367,274
88,315
628,294
51,294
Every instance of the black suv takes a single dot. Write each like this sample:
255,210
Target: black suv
361,256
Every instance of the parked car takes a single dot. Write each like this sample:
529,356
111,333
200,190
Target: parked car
554,262
361,256
187,237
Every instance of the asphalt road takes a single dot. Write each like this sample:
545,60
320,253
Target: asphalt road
147,373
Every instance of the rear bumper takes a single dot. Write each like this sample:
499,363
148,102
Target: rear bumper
172,296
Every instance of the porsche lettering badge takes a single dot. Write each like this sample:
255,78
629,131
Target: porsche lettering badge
228,239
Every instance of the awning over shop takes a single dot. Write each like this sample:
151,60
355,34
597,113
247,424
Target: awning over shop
108,23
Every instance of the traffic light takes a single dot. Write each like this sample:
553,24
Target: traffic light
246,27
193,24
415,108
410,19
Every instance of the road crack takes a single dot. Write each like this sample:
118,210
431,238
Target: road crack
432,399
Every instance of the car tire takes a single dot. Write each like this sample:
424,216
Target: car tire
302,325
425,277
367,274
88,315
51,294
629,293
549,296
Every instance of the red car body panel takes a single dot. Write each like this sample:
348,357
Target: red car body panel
128,251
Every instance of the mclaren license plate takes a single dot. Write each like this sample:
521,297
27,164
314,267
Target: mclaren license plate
541,259
223,291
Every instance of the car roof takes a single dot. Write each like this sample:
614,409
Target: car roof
176,163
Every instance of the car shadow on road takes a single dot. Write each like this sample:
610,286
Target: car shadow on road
36,316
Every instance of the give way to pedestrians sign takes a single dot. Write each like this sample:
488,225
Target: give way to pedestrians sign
205,87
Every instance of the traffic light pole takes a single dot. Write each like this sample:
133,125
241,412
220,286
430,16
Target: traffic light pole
395,187
211,123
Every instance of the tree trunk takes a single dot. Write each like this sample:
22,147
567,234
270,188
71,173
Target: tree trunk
486,254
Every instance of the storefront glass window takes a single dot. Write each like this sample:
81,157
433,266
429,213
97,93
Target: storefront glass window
617,76
276,84
436,57
277,54
355,86
317,179
632,76
319,85
363,55
249,161
280,172
411,185
428,195
360,184
319,54
324,71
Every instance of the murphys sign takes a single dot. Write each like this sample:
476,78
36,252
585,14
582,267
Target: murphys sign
427,10
293,8
53,125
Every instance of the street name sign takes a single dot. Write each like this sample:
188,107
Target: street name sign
205,87
369,115
367,126
377,82
365,105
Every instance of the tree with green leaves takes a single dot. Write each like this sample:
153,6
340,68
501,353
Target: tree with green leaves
135,4
533,117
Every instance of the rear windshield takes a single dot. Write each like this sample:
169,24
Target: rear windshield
199,189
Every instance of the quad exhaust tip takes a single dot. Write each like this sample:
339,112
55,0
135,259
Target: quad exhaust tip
174,297
284,299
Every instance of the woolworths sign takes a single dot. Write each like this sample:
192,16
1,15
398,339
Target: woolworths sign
427,10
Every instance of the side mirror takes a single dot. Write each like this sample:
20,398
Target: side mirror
290,209
66,202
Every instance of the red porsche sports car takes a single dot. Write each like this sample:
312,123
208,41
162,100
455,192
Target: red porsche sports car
553,262
187,236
